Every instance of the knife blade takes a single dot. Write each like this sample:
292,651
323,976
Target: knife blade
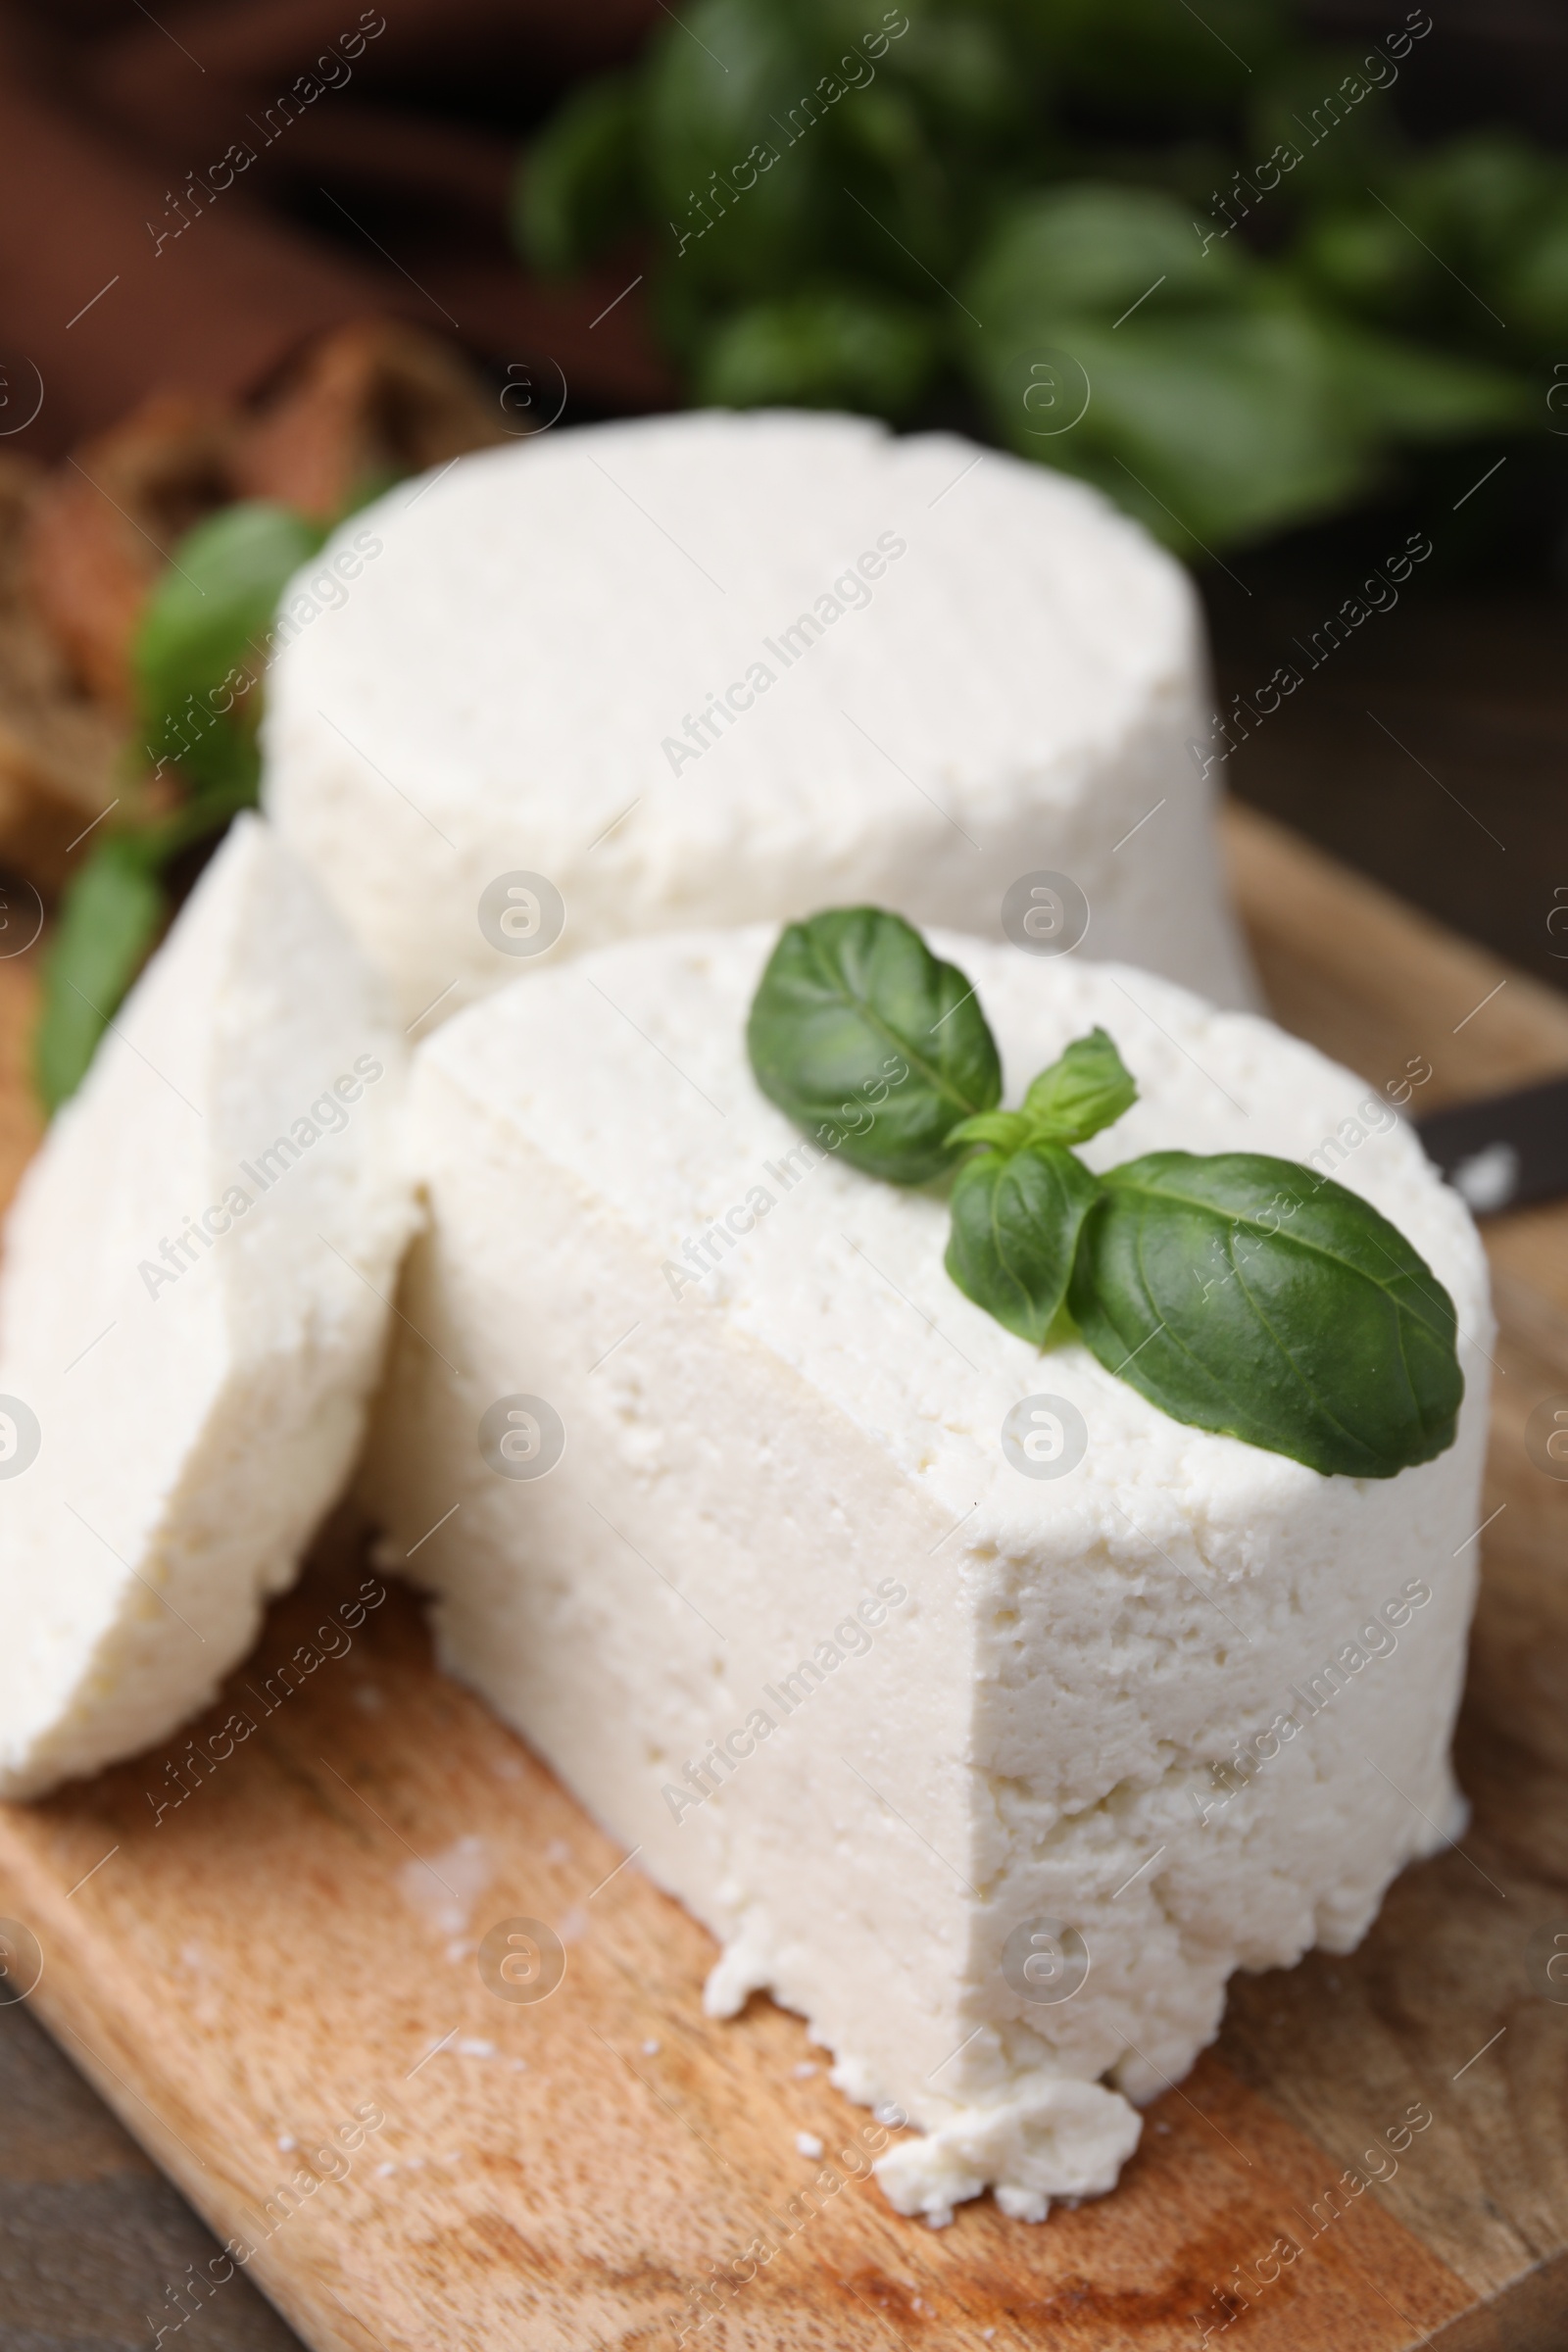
1505,1150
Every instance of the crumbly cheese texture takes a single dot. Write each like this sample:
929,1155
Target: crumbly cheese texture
192,1315
718,668
877,1706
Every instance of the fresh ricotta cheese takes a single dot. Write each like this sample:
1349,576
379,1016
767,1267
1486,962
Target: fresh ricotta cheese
192,1310
993,1776
719,669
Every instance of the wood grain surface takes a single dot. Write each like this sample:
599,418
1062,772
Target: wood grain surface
274,1982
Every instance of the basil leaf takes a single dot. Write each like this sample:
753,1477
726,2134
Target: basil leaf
1236,398
1083,250
724,85
1087,1089
1016,1219
576,190
825,348
1009,1129
109,919
856,1020
1245,1295
208,618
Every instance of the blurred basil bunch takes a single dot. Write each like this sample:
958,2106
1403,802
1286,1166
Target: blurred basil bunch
198,660
1211,232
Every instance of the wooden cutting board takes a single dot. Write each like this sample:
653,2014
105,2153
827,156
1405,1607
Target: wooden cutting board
276,1983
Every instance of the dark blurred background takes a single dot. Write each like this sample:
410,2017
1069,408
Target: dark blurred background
468,221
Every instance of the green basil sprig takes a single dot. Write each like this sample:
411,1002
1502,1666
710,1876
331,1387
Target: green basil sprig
199,659
827,203
1238,1293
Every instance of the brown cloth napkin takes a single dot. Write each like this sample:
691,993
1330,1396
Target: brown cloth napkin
187,196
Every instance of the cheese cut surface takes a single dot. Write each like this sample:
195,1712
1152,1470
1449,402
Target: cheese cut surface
718,668
919,1737
192,1312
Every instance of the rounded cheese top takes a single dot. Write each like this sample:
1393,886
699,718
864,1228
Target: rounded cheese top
629,1070
716,669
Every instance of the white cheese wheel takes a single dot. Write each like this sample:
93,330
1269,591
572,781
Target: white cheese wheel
717,668
879,1704
192,1311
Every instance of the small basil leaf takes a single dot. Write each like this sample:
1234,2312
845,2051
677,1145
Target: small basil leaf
824,348
1009,1129
109,919
1088,1088
1016,1219
1245,1295
855,1015
207,618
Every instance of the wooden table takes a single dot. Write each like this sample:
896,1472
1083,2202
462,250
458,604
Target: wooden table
243,1978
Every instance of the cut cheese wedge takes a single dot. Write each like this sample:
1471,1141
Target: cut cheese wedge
986,1715
713,668
193,1303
